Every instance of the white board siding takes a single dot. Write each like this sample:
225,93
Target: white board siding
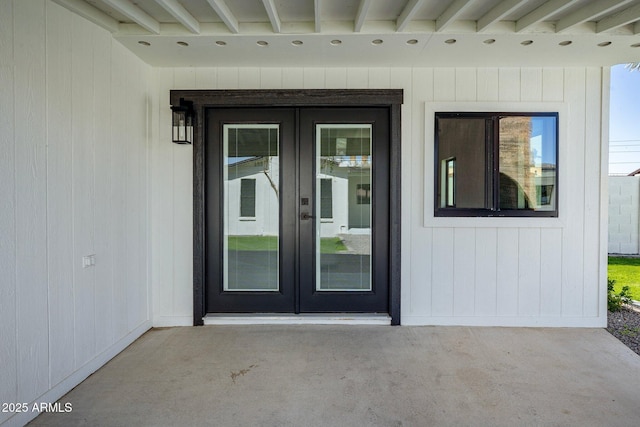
486,274
59,188
104,209
82,136
73,120
31,200
521,272
8,343
573,260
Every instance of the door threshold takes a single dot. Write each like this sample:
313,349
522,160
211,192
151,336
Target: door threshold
298,319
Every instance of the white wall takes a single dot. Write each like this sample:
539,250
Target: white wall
474,271
624,214
73,182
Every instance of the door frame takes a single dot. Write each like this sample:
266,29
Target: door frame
202,99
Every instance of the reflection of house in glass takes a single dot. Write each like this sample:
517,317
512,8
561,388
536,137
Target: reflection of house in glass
344,195
525,181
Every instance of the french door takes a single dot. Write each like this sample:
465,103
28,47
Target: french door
297,210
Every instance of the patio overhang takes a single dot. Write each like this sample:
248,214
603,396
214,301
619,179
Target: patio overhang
370,33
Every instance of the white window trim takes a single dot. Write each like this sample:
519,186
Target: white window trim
431,108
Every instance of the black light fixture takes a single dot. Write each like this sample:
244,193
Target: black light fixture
183,118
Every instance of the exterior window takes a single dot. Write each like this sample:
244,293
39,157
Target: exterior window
326,198
363,194
248,198
496,164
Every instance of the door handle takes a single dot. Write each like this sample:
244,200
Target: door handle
305,216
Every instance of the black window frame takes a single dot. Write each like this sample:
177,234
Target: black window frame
492,167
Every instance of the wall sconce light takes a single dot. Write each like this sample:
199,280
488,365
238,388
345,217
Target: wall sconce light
183,118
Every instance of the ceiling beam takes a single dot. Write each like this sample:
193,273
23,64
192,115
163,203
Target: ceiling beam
225,14
361,16
624,17
91,13
316,14
181,14
542,13
408,13
451,13
501,10
270,7
136,14
588,12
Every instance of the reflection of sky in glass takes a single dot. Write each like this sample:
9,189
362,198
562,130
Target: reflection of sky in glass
543,140
234,160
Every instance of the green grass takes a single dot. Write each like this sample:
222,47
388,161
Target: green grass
328,245
626,272
331,245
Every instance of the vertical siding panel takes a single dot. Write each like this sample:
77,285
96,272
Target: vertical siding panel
228,78
444,84
292,78
420,257
509,84
486,274
31,201
550,272
593,117
313,78
119,142
442,272
464,246
402,78
271,78
336,78
82,133
185,78
529,272
249,78
206,78
183,205
574,168
552,84
162,238
134,197
487,84
379,78
141,121
59,191
357,78
531,85
103,219
8,373
507,272
466,84
413,168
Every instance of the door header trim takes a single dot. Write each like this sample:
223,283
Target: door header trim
290,97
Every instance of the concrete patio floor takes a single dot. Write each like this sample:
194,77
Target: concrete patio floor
361,376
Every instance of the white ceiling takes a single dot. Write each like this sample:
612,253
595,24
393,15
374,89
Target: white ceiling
336,33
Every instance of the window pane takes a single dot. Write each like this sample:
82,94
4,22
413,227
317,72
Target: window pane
343,175
528,163
251,227
463,141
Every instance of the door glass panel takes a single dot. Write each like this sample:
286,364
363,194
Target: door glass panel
251,170
343,203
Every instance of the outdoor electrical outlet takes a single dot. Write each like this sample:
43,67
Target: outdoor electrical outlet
88,261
